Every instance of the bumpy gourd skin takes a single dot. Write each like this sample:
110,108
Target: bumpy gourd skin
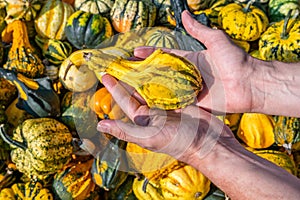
241,24
46,147
273,45
166,81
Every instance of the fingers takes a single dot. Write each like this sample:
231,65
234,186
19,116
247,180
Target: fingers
130,106
198,30
128,132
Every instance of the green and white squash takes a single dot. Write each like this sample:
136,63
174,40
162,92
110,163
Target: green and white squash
162,38
40,147
278,9
87,30
94,6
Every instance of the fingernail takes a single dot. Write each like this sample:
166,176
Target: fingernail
103,127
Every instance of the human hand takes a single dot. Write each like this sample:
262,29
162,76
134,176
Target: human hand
181,133
226,68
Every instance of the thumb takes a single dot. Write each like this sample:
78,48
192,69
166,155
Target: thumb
196,29
128,132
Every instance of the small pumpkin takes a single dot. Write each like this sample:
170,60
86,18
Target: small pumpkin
87,30
256,130
153,77
278,9
21,56
286,131
74,182
281,41
55,51
103,104
94,6
52,19
22,10
23,191
109,169
243,21
184,183
132,14
40,146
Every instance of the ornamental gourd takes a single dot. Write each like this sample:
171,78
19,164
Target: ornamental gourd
29,190
281,41
162,38
184,183
94,6
103,104
52,19
164,80
132,14
278,9
40,147
74,182
151,164
286,131
256,130
86,30
75,75
164,16
55,51
109,169
21,56
243,21
22,10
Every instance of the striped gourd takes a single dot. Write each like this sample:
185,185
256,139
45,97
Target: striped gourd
55,51
132,14
278,9
52,19
164,13
30,190
286,131
87,30
94,6
162,38
164,80
40,146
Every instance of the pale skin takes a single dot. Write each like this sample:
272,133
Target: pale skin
195,136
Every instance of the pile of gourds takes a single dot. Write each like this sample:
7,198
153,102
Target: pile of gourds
52,57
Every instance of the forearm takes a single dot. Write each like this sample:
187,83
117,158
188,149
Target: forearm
276,88
243,175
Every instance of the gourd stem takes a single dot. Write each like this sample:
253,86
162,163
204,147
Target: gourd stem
286,28
247,8
10,141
